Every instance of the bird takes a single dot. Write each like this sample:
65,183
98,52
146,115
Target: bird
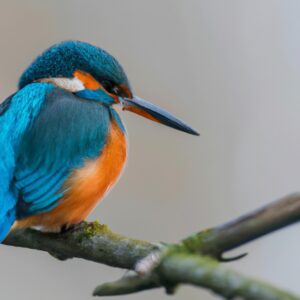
63,144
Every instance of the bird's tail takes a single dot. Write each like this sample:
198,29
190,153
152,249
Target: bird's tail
6,223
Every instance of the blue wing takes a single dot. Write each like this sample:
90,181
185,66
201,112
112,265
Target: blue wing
67,131
45,133
16,114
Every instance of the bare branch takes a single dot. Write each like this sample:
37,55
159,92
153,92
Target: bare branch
130,283
184,262
274,216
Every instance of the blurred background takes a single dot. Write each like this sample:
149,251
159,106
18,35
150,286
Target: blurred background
229,68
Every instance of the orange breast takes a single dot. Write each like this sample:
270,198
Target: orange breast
86,186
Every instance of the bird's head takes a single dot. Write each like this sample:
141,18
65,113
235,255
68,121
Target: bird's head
91,73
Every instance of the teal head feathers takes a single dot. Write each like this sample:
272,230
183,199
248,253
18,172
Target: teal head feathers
63,59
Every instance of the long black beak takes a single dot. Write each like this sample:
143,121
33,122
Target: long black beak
155,113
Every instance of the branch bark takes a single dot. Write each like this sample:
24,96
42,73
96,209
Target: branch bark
199,271
270,218
184,262
90,241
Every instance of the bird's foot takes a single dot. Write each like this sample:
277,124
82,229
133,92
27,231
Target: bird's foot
71,227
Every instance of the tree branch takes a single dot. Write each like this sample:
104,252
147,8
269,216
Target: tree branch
128,284
90,241
172,264
199,271
231,235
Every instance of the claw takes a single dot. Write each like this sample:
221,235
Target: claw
70,228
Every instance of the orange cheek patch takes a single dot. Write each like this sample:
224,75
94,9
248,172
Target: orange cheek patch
88,80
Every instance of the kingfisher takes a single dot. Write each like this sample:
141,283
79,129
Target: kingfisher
63,144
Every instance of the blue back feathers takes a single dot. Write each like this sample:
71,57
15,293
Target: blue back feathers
17,113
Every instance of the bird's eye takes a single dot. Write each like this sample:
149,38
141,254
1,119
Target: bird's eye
108,86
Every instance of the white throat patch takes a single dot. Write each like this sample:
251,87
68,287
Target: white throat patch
72,85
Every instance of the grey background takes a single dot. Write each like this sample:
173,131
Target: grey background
232,70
